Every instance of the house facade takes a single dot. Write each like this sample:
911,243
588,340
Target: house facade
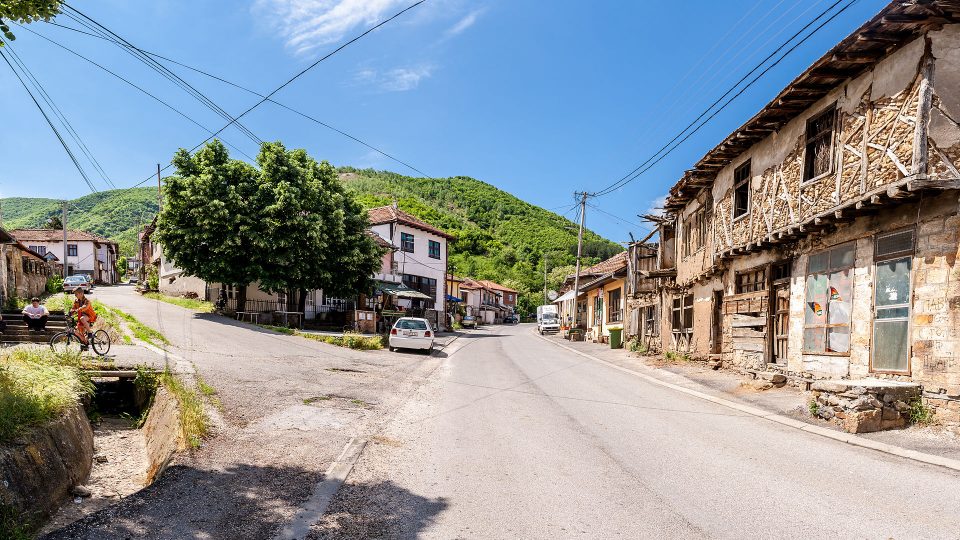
602,301
820,238
23,272
420,260
86,253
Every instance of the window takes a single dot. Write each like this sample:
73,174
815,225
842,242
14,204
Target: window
406,242
818,154
614,312
694,232
42,250
892,299
650,324
433,248
751,280
682,321
427,286
829,299
463,296
598,310
741,190
71,250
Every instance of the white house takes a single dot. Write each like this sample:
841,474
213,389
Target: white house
86,253
421,257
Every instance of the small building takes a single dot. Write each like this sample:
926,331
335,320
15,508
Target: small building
86,253
601,301
642,295
23,271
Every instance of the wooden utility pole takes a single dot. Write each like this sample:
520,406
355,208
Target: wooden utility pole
545,299
159,190
576,276
63,221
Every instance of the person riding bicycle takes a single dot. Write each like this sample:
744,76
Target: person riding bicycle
86,315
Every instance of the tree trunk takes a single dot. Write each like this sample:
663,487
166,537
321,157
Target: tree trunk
241,297
302,301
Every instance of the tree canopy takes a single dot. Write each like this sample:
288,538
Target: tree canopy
25,11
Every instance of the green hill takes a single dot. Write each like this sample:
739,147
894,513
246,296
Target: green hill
115,214
499,236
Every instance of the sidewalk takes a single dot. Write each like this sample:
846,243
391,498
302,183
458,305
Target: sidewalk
785,401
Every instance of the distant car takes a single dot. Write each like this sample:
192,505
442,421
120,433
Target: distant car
134,280
411,333
78,281
511,319
469,322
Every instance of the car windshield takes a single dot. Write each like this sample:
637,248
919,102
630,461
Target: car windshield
410,324
549,316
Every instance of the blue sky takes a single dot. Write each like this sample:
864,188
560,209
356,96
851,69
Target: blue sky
538,98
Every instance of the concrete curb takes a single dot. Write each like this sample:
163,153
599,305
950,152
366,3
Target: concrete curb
848,438
323,493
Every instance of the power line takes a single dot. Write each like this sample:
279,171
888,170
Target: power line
66,147
134,85
59,114
618,218
258,94
295,77
98,28
666,149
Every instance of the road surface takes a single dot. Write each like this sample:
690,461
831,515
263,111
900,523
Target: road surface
514,437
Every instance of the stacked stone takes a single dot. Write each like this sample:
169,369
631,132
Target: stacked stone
862,409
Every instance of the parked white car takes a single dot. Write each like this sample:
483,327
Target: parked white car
411,333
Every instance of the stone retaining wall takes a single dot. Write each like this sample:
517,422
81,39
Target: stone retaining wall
865,407
162,433
38,469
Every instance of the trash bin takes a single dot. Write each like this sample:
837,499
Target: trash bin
615,338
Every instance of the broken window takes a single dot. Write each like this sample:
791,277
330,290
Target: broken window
741,190
751,280
614,312
694,232
651,326
892,300
818,155
682,321
829,299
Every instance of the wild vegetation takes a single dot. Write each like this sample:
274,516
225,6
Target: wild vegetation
200,306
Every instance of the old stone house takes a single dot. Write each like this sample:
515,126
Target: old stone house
641,291
820,238
23,272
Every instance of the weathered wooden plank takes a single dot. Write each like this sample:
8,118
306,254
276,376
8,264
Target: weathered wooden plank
741,321
751,346
748,332
916,185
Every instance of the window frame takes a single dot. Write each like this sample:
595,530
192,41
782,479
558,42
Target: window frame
694,232
614,311
744,181
73,250
430,251
406,237
809,139
754,283
827,325
890,257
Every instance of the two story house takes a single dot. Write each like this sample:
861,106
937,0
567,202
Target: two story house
820,238
86,253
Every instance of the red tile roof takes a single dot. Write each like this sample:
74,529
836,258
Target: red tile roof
613,264
389,214
495,286
380,240
56,235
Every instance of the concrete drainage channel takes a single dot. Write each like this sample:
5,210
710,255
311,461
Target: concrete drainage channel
96,455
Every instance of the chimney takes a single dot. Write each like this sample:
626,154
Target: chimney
395,204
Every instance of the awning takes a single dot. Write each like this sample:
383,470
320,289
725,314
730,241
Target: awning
451,298
568,296
400,290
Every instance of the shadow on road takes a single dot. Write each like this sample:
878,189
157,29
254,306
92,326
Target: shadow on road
243,501
377,510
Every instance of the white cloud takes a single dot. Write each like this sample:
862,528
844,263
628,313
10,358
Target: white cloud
306,24
464,23
394,80
656,206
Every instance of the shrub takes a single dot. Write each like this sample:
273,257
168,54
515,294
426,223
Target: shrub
919,413
814,407
54,284
153,278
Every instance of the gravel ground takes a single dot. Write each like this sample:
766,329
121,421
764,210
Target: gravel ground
289,405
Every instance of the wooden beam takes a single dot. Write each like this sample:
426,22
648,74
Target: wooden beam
924,104
930,183
860,57
897,193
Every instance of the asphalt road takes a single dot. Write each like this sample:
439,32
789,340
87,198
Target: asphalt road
288,406
514,437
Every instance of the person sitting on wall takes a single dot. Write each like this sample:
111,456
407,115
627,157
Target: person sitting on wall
36,315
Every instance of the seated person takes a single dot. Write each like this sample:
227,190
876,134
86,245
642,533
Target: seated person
36,315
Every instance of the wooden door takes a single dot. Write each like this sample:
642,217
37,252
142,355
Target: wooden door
780,322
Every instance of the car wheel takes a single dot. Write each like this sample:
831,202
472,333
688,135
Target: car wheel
391,349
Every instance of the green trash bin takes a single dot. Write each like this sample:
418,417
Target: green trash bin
616,335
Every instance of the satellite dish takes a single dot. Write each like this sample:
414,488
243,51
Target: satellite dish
552,295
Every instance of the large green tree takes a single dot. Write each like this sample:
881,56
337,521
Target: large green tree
211,222
314,233
25,11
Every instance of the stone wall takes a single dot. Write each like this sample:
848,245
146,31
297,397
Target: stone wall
38,469
162,433
864,406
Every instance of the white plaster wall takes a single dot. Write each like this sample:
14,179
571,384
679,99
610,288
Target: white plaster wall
419,262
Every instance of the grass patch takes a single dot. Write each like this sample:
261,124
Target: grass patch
13,526
140,331
194,423
37,385
200,306
315,399
208,392
350,340
676,357
814,407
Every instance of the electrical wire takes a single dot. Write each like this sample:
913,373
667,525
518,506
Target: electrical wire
680,138
66,147
295,77
59,114
98,28
258,94
134,85
620,219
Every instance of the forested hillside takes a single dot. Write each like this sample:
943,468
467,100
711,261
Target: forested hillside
115,214
499,236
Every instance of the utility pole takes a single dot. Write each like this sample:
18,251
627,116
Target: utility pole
159,190
576,276
545,299
63,221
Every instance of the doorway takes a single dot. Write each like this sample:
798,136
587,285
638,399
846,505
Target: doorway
779,327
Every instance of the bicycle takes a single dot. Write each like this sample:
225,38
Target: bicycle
99,341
